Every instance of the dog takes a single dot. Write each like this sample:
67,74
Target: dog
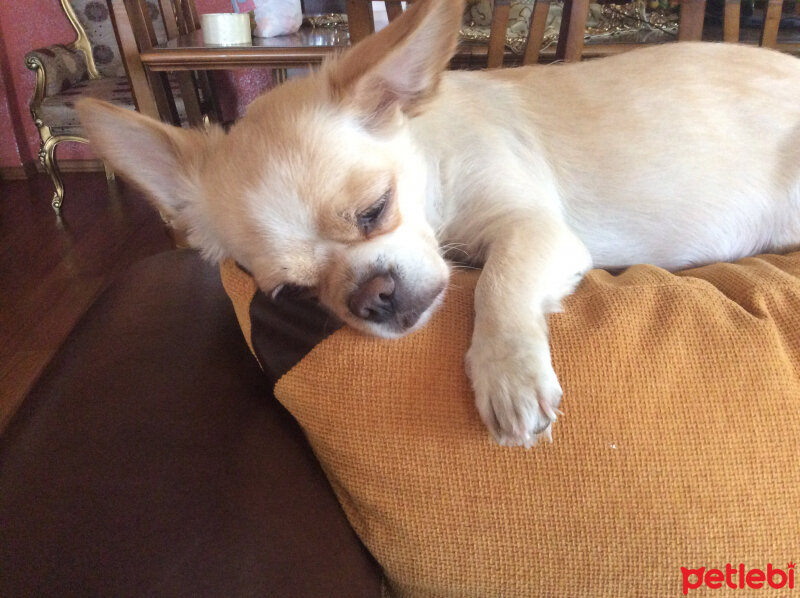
355,180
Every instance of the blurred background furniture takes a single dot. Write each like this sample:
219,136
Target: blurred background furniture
91,66
495,33
319,37
187,96
763,28
125,49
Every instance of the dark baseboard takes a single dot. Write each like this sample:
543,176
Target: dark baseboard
26,171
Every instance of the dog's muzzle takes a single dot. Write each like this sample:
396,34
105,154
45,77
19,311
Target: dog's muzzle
384,299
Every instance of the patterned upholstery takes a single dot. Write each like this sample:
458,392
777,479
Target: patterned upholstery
60,108
480,14
63,66
67,75
96,21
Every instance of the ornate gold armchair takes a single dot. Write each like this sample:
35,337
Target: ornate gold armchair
91,66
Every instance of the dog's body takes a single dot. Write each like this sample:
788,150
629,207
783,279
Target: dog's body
676,155
349,181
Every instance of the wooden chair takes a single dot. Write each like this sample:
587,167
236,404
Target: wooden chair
690,28
90,66
573,25
361,23
182,97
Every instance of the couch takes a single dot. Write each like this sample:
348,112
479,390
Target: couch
152,459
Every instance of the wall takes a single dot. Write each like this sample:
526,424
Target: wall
24,26
38,23
9,152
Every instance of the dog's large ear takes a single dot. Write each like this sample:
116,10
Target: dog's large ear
399,67
160,159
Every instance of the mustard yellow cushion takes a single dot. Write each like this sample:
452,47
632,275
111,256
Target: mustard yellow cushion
679,445
241,289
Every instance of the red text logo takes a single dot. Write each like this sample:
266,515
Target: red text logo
738,578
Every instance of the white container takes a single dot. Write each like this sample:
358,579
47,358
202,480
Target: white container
277,17
226,29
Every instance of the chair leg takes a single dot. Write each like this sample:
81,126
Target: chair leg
47,155
279,76
110,176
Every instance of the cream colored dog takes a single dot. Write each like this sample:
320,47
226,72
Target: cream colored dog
354,179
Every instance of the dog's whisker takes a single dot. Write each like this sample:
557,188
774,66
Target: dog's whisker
445,249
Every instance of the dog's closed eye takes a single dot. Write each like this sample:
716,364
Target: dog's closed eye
369,219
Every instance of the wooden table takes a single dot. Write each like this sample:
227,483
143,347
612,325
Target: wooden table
306,48
309,46
189,52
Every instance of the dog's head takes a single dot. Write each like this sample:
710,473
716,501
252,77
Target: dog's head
320,185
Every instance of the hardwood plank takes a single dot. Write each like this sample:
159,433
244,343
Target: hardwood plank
51,270
18,376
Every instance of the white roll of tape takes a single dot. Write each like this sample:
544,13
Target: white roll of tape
226,29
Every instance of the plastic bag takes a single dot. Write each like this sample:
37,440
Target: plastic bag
277,17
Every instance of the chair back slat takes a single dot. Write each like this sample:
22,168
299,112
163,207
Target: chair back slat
185,15
360,21
170,20
394,8
497,34
180,18
573,30
192,16
143,95
538,24
141,23
153,91
772,20
730,21
690,26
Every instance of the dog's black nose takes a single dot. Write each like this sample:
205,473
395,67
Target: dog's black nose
373,300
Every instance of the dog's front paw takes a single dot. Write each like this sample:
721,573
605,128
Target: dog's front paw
516,390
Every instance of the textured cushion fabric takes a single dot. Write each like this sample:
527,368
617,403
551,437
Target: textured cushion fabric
63,67
240,288
679,444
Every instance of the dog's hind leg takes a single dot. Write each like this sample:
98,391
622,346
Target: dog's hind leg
532,261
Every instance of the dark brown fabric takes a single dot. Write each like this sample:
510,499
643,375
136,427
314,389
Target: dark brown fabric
152,459
284,330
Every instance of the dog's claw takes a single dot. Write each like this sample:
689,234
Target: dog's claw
528,441
549,411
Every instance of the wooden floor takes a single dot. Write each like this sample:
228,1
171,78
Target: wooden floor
51,271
